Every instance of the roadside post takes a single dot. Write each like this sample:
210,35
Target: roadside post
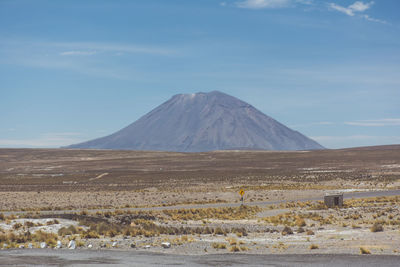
241,192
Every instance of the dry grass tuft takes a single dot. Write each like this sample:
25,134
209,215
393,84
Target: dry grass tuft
219,245
287,231
376,228
364,250
234,249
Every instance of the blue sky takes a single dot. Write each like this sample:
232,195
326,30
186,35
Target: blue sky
71,71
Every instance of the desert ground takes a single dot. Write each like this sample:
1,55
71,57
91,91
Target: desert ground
188,203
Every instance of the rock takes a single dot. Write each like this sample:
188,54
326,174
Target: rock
90,246
147,246
166,244
21,246
5,245
133,245
43,245
59,244
72,244
30,245
114,244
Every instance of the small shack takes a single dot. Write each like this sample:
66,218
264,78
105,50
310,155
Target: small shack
333,200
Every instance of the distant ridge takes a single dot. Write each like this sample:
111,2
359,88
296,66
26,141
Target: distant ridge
204,122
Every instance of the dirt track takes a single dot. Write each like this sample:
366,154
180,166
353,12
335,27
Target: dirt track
39,257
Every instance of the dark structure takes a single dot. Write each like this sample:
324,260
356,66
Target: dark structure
333,200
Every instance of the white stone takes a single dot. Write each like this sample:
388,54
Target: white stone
43,245
72,244
147,246
90,246
166,244
59,244
30,245
21,246
114,244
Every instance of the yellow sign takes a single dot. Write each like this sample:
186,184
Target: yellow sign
241,192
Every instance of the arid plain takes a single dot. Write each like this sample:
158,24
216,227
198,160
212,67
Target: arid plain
188,203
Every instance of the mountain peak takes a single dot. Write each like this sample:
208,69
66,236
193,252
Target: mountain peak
204,122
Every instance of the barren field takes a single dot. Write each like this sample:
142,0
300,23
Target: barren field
81,184
59,178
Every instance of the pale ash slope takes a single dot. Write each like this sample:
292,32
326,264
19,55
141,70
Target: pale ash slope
204,122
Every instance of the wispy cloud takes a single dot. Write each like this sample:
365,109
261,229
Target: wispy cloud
44,140
355,9
259,4
312,124
90,47
374,20
352,9
88,58
78,53
375,123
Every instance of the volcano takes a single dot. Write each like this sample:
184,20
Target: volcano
204,122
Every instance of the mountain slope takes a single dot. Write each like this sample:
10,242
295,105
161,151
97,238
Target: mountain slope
204,122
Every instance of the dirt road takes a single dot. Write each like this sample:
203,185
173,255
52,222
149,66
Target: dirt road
47,257
351,195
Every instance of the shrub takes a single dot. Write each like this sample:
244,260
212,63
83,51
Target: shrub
70,230
83,213
364,251
376,228
91,234
52,222
310,232
244,248
300,222
287,231
239,231
16,226
219,231
29,224
219,245
49,238
232,241
234,249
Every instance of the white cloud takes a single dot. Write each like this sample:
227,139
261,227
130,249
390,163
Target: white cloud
356,7
77,53
259,4
360,6
374,20
345,10
375,123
